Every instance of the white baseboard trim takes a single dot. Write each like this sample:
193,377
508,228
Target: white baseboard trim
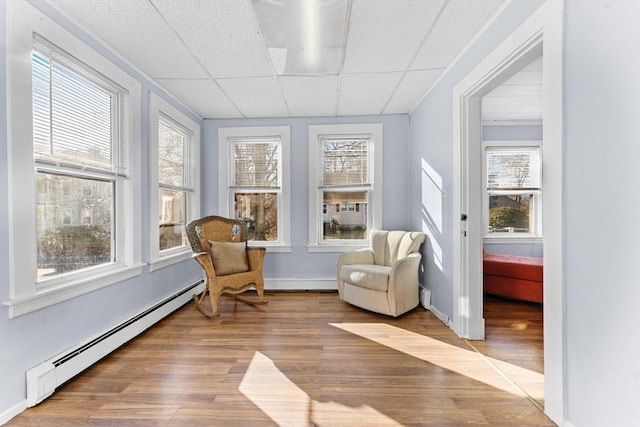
568,424
440,315
11,412
300,283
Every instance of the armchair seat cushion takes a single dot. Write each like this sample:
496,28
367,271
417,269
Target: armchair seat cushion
374,277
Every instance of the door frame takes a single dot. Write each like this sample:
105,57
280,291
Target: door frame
541,33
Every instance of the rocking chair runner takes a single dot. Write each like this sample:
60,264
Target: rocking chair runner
219,245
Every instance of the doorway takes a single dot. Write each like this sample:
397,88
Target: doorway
540,33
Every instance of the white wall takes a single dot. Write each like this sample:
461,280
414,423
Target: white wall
28,340
602,207
300,263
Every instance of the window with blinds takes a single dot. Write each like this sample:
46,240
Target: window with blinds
345,185
77,113
174,185
80,153
513,189
255,175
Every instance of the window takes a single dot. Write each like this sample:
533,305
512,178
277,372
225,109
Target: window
73,165
174,180
254,167
512,200
345,185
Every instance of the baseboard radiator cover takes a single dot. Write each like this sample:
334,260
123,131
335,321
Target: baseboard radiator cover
43,379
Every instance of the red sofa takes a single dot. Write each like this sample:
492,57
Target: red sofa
513,277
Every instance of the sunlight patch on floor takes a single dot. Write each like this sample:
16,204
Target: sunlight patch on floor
464,362
288,405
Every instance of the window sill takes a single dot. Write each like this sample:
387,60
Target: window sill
272,248
336,247
80,286
170,259
506,240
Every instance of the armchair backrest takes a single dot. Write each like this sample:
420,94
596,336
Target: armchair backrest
215,229
390,246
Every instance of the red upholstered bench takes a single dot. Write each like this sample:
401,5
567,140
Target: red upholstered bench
514,277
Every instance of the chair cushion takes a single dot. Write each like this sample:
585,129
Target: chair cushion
229,258
374,277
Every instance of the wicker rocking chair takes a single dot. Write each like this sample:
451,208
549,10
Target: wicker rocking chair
219,245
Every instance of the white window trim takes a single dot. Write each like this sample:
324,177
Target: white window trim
224,198
25,296
315,204
160,259
514,238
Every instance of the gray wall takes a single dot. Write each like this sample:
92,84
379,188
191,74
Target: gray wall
602,202
300,263
430,137
30,339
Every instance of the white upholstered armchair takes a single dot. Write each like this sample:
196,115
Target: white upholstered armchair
384,277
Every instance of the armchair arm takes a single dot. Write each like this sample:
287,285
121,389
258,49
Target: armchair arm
403,283
256,258
204,260
360,256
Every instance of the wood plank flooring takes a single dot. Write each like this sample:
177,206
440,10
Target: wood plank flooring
304,359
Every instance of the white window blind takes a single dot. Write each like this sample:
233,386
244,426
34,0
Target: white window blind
173,143
513,169
78,114
345,161
255,163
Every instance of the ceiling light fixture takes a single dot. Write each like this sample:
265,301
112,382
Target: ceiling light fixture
304,37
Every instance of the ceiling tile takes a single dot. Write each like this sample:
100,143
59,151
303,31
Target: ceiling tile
356,96
247,91
223,34
310,96
384,35
457,25
134,29
204,96
411,90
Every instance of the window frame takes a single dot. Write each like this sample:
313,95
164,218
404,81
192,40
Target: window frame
158,107
536,222
228,135
26,294
374,211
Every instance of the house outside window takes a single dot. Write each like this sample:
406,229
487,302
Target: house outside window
345,177
74,165
512,191
255,183
174,181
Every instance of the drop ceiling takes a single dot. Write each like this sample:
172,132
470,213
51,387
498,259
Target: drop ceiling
217,58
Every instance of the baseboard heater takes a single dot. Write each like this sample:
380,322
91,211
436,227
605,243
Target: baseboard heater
42,380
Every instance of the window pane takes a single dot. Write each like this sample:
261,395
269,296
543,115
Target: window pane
344,162
173,208
513,168
510,214
345,216
260,212
75,230
171,148
256,164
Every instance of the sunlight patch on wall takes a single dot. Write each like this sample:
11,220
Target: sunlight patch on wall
464,362
288,405
432,195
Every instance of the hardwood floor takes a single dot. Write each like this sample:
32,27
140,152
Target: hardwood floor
303,359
